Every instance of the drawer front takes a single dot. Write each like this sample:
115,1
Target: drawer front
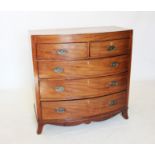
62,51
82,68
82,88
109,48
83,108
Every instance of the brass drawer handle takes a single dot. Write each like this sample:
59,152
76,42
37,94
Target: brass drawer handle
111,48
59,89
114,64
61,51
112,102
60,110
58,70
113,83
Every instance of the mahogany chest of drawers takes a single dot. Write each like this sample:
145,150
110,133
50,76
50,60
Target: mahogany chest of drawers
81,75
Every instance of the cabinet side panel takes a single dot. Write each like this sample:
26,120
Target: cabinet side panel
129,66
35,68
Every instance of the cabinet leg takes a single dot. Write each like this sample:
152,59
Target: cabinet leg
125,114
40,128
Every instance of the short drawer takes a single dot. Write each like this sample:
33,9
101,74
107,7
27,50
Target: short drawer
62,51
109,48
82,88
77,109
82,68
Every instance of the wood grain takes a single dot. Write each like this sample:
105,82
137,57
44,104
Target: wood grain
82,88
82,37
83,108
36,81
82,68
85,120
101,48
72,51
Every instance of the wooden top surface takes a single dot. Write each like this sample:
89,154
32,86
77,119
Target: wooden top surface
82,30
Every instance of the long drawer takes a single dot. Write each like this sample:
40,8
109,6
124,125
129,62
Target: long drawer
70,110
82,68
82,88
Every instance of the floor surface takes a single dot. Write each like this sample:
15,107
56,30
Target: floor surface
18,124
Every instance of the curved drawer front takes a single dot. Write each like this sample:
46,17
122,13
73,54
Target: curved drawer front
62,51
71,110
109,48
82,68
82,88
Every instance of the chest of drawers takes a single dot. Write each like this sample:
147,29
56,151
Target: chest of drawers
81,75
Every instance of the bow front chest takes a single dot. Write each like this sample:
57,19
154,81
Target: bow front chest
81,75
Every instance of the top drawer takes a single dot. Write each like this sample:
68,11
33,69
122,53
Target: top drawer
62,51
109,48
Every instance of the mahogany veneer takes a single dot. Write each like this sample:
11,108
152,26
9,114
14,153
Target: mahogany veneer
81,75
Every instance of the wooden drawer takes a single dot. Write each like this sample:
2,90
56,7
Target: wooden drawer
71,110
82,88
62,51
82,68
109,48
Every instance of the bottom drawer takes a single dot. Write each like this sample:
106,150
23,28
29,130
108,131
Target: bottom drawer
70,110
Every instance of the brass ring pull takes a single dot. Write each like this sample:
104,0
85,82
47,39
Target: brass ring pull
59,89
113,83
114,64
58,70
112,102
61,51
111,48
60,110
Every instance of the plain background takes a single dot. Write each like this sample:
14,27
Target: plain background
16,80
